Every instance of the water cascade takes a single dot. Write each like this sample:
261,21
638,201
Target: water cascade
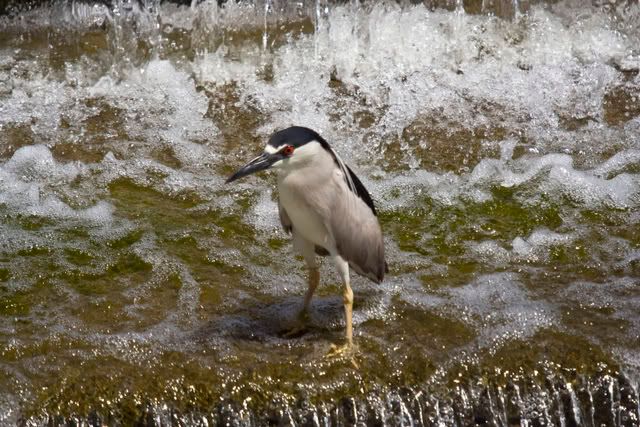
499,138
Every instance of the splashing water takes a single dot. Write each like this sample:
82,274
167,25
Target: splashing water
499,139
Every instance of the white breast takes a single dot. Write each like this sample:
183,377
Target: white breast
305,219
305,193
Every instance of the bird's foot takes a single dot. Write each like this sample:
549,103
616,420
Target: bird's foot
345,351
296,331
299,328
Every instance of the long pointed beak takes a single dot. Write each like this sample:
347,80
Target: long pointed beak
260,163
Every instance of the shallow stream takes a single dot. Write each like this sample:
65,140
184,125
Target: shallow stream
500,141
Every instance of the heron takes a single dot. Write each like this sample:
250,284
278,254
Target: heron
326,209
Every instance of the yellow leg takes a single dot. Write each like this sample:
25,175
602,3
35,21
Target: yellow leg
300,327
346,350
347,297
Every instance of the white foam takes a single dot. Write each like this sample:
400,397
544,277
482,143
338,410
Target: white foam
618,163
549,175
500,305
36,162
490,252
536,246
490,171
410,70
399,75
620,192
404,189
30,179
521,81
169,111
264,214
35,101
149,173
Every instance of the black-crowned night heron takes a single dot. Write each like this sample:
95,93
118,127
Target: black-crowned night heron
325,207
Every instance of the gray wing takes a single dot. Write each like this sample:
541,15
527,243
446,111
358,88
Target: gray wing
356,232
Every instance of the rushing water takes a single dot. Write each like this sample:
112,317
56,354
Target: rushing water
500,141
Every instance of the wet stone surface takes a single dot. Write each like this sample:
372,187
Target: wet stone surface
499,141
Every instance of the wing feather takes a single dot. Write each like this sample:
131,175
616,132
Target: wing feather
361,191
357,233
353,182
346,172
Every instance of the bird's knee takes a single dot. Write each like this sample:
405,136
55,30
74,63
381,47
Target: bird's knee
347,296
311,262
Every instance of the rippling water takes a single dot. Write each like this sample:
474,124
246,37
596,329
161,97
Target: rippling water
501,143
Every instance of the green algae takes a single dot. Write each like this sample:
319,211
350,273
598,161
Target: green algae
144,317
14,304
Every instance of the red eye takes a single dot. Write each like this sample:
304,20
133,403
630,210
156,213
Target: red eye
288,150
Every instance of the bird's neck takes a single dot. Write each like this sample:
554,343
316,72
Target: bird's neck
307,172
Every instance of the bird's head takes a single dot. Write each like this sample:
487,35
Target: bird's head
287,148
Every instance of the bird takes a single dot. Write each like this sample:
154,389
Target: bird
326,209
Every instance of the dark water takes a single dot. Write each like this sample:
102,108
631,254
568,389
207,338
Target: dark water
501,143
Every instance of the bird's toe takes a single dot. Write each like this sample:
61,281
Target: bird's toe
296,331
300,327
346,351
